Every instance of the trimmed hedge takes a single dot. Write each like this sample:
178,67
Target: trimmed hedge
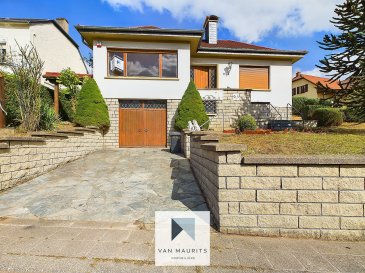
247,122
328,117
91,109
304,107
191,107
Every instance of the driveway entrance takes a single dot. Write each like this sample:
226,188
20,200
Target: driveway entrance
124,185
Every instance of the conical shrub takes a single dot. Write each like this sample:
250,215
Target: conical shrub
191,107
91,109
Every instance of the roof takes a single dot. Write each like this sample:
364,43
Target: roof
315,80
40,21
240,47
55,75
139,30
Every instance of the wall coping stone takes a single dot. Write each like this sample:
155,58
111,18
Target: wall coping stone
304,159
83,129
23,139
210,138
224,147
92,127
4,146
55,135
203,133
70,132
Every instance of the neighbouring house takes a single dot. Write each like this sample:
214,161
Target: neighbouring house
143,72
51,39
307,86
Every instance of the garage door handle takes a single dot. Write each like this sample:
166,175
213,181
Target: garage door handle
146,130
139,130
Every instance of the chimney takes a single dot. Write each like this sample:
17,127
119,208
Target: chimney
63,23
297,74
211,29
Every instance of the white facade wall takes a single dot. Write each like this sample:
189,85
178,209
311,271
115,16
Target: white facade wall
54,48
141,88
280,78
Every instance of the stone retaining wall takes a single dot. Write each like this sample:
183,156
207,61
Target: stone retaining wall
311,197
23,158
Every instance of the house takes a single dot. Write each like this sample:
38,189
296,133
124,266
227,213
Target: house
143,72
307,86
51,39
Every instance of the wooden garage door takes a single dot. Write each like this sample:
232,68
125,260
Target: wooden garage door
142,123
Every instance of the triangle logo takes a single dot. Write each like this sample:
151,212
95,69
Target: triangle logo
180,224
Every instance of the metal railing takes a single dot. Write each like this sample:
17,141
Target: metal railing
276,110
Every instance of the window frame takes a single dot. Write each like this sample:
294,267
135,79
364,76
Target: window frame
209,67
215,106
256,66
142,51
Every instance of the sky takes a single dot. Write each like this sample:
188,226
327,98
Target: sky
280,24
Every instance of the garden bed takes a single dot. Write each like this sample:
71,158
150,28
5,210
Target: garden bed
300,143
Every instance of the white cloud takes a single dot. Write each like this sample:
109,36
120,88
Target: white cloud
314,72
246,19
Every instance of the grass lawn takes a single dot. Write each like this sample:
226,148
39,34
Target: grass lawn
301,143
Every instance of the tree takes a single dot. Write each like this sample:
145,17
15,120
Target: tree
71,81
26,67
347,60
91,109
191,107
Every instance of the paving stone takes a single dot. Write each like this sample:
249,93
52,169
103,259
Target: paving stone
280,261
91,235
227,257
345,263
314,262
253,258
118,236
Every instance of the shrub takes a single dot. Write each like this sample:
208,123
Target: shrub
66,111
246,122
328,117
309,110
299,103
191,107
48,117
91,109
13,117
26,67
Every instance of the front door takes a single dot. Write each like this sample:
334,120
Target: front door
142,123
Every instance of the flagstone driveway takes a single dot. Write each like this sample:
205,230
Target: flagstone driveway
124,185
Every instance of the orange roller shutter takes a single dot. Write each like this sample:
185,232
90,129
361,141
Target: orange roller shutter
256,78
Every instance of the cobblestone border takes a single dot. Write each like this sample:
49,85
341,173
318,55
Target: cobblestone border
305,197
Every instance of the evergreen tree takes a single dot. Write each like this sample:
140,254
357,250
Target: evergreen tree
191,107
347,59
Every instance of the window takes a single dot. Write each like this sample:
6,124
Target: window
204,77
210,106
254,77
142,64
294,91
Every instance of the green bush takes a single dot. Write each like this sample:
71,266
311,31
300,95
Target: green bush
191,107
91,109
66,111
48,117
309,110
328,117
13,117
247,122
299,103
304,107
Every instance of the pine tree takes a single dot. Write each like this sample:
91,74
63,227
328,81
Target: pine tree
191,108
347,59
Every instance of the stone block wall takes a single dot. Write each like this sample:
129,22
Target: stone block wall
230,109
112,136
307,197
24,158
171,112
185,143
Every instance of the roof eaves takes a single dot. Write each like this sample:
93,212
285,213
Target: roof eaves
259,51
120,30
